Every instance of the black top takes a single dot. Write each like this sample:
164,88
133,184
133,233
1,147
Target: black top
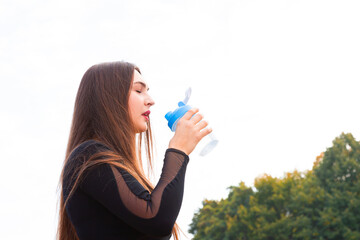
111,204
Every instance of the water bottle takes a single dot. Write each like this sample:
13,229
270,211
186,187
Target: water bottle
174,116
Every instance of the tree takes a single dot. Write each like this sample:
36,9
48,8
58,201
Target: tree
323,203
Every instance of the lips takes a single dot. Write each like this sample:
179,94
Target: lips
146,115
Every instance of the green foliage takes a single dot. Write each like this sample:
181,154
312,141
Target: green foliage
323,203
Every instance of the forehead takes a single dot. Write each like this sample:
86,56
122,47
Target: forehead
138,79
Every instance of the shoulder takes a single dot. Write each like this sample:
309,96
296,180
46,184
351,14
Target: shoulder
83,152
88,148
79,155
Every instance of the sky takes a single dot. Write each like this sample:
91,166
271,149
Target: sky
277,80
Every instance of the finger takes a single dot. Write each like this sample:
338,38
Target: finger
197,118
205,132
190,113
201,125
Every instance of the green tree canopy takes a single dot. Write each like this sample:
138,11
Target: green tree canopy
322,203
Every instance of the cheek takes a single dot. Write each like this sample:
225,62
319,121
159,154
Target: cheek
134,104
132,101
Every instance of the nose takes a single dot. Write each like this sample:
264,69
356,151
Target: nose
149,101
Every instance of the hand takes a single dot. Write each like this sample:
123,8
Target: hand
189,131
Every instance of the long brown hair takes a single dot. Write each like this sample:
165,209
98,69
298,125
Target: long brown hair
101,113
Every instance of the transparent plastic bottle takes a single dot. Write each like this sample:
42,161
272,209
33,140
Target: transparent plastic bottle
173,117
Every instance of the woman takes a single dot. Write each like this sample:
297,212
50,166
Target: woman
105,193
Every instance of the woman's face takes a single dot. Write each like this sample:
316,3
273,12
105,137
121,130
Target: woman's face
139,103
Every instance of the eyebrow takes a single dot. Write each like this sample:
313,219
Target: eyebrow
143,84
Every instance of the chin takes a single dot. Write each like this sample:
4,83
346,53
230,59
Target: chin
141,129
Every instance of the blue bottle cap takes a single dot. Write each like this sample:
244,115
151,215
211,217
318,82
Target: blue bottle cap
173,117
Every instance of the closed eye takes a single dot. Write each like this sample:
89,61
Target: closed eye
138,91
142,85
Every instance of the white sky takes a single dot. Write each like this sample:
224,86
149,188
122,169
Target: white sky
278,81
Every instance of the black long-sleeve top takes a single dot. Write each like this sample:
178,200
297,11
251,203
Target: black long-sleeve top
109,203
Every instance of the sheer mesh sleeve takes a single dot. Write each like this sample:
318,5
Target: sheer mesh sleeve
151,213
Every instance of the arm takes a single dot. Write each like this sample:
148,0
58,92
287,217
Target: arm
125,197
